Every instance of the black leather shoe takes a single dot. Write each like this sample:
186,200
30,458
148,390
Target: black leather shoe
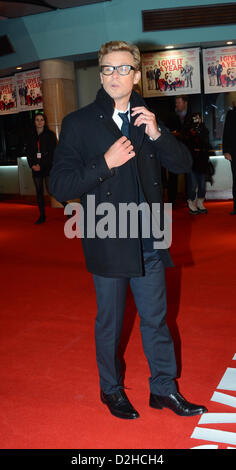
176,403
119,405
233,212
41,220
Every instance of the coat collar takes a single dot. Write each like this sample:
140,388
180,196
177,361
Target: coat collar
106,108
106,102
106,105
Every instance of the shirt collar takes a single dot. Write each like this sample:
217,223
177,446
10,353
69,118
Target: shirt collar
116,111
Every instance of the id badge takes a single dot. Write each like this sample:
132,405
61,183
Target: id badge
39,155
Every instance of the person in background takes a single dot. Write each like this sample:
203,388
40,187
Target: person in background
39,151
152,78
198,144
229,148
157,76
213,78
219,70
178,122
188,74
148,78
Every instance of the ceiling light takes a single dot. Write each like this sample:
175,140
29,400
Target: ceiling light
229,42
19,68
169,47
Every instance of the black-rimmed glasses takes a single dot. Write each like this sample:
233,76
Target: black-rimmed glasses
121,69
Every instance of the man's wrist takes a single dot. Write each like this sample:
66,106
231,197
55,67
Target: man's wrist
107,160
155,136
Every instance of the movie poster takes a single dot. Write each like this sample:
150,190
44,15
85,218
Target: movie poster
173,72
8,99
29,91
219,68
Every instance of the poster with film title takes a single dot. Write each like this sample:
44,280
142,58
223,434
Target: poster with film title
219,69
29,93
8,99
173,72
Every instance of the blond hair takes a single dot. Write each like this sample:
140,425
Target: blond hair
115,46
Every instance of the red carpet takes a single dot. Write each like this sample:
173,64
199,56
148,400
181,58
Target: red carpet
49,380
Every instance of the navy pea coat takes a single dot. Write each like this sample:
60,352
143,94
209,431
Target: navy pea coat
79,169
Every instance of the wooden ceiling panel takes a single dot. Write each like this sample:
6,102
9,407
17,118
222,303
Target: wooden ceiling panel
189,17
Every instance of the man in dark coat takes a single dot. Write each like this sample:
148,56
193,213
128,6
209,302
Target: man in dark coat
112,151
229,148
157,72
178,122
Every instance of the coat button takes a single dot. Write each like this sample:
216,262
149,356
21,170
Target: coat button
100,179
93,165
101,116
151,155
155,183
108,193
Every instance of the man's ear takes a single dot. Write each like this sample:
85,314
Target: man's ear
137,76
101,78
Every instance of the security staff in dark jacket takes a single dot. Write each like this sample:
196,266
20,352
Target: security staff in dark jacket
229,148
93,158
39,151
178,123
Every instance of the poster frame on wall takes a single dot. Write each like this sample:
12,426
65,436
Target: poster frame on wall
21,92
8,95
29,92
171,72
219,69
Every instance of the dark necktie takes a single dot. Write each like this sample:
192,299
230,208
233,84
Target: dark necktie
147,243
125,128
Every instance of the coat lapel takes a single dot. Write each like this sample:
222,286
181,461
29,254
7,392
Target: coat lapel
112,127
136,135
106,108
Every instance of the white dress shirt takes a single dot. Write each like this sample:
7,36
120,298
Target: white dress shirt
117,118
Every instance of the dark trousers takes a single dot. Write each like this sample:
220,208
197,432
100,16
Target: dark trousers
172,186
196,183
38,181
149,293
233,168
219,80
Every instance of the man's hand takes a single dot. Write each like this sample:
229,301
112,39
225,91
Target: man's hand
119,153
36,167
148,118
228,156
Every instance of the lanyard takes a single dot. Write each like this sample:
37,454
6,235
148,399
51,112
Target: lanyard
38,145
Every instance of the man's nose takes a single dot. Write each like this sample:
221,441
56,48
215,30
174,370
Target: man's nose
116,73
